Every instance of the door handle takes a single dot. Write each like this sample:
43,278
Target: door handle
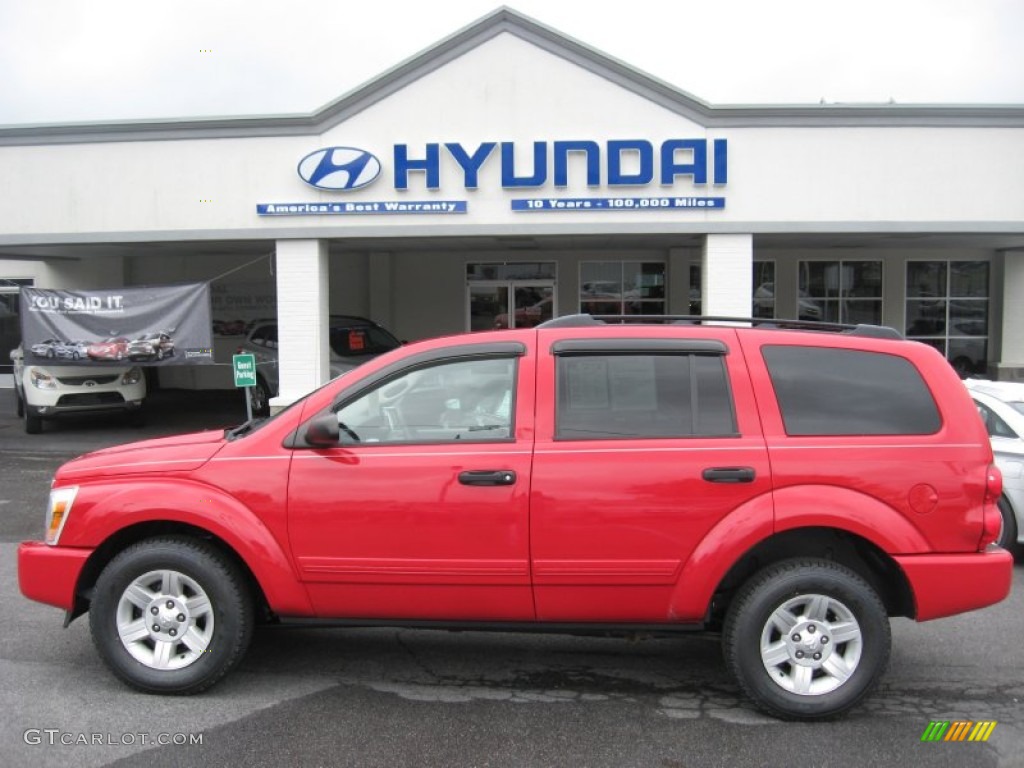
488,477
729,474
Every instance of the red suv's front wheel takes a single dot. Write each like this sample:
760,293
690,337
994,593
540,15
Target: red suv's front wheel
171,615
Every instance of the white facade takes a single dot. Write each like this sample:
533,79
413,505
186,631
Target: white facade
138,203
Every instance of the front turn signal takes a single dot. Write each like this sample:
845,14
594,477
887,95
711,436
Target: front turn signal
57,513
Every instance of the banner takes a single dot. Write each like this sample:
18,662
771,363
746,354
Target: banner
151,325
237,305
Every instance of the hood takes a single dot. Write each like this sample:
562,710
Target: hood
180,453
57,370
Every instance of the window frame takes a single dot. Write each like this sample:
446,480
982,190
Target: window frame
770,265
946,336
841,297
622,301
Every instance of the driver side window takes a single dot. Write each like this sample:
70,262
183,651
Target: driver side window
455,400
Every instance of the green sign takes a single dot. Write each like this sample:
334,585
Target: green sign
245,370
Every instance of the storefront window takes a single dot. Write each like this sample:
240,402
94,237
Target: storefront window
947,307
622,288
695,305
10,327
764,289
841,291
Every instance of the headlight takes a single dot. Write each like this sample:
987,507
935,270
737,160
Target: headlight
57,513
41,379
133,376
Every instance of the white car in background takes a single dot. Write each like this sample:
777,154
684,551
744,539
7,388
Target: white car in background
1001,405
47,392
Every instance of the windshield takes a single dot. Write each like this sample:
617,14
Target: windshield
256,423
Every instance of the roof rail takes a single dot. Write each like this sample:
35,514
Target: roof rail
860,329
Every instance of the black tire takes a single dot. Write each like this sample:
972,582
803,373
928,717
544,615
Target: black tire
1008,531
259,398
33,422
826,595
175,572
19,404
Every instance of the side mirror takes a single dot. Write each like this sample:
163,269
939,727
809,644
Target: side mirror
323,431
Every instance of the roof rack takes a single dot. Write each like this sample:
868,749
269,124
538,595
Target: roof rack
860,329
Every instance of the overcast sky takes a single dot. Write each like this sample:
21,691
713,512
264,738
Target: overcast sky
98,60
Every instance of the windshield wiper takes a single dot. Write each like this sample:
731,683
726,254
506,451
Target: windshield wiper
236,432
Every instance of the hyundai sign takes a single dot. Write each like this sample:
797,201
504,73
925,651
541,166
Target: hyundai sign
615,164
632,163
339,168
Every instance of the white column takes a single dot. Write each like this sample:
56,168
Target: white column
727,272
1010,358
302,309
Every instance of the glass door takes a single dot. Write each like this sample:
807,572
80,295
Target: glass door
509,304
534,303
488,306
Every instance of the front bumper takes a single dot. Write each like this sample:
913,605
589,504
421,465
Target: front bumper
944,585
50,574
80,389
86,404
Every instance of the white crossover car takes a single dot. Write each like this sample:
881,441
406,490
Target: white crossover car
1001,405
47,392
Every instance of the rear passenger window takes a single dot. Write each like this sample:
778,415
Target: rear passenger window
624,395
848,392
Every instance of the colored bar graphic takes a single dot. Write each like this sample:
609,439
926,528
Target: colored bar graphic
982,730
959,730
935,731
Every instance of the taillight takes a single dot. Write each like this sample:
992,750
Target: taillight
992,521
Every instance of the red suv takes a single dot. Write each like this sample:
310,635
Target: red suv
791,489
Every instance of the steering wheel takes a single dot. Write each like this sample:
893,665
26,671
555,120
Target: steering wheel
390,393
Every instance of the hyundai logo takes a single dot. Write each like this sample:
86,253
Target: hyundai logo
340,168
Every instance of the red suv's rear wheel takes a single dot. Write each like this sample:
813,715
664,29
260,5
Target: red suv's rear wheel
807,639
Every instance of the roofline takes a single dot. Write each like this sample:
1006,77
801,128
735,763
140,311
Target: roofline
507,20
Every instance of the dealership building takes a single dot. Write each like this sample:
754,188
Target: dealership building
509,174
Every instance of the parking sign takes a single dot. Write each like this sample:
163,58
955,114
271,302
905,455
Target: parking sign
245,370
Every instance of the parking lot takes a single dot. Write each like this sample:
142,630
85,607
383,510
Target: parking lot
382,697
